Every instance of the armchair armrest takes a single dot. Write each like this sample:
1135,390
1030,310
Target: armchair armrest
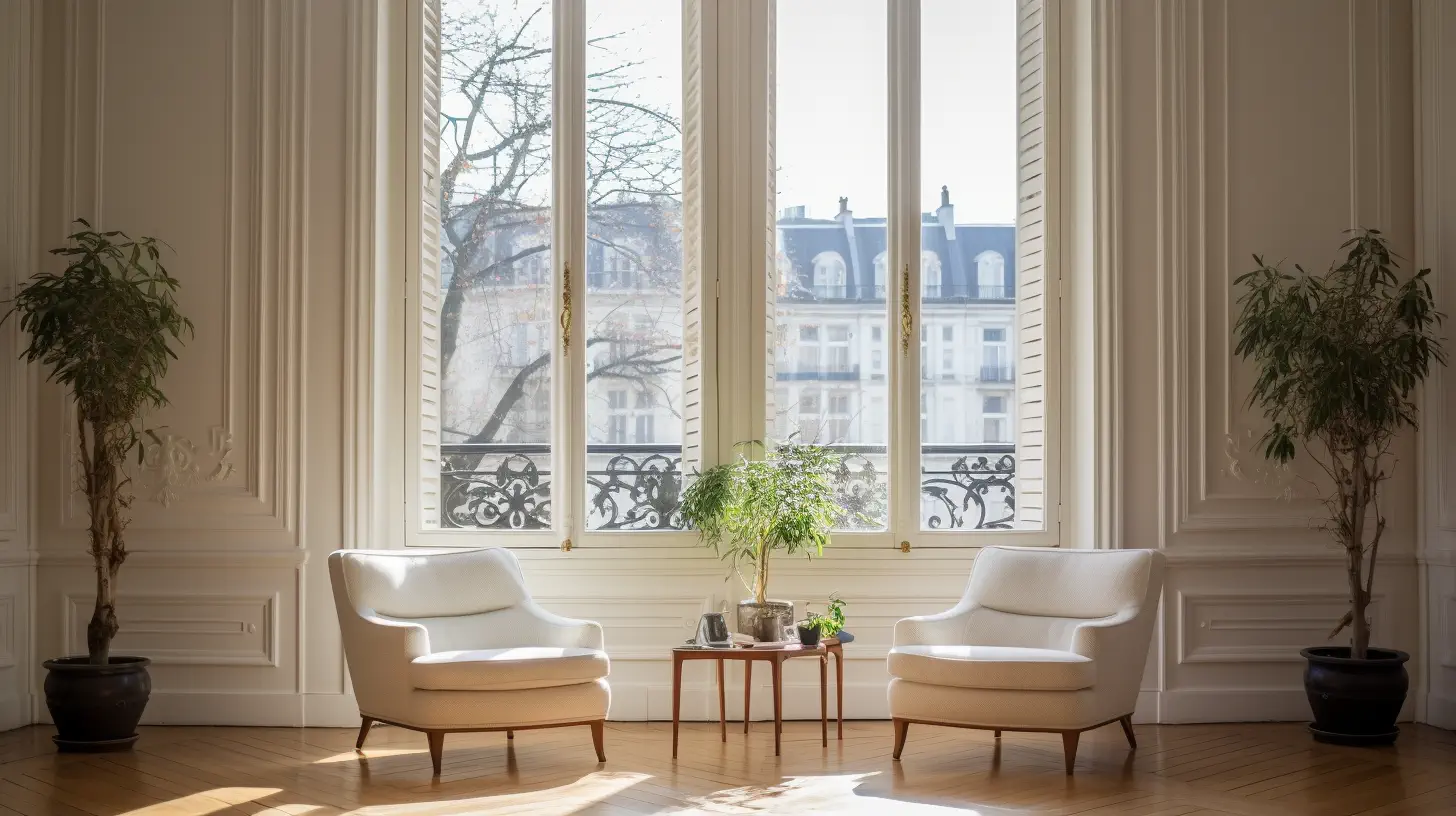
386,639
1099,637
550,629
946,628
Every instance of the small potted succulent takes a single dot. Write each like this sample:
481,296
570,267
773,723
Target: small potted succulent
749,508
1339,357
828,625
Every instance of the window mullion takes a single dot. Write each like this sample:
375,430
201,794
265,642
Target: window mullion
568,158
904,253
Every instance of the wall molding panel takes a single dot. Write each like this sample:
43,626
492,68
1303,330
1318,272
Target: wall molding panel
1217,478
1434,28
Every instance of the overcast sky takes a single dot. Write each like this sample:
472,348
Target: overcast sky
832,80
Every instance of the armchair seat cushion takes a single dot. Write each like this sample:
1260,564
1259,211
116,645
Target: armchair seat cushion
993,667
521,667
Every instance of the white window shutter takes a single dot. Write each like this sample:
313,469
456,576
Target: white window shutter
430,284
1030,272
693,286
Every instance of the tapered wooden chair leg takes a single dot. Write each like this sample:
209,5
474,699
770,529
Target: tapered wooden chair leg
364,726
510,735
902,729
437,747
997,734
1069,748
598,728
1127,731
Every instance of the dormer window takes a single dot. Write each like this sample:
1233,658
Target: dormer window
829,275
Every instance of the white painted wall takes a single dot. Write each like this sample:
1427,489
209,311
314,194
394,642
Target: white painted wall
1246,126
236,132
1436,248
17,248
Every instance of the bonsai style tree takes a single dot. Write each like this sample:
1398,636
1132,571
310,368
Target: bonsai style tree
748,508
102,328
1338,357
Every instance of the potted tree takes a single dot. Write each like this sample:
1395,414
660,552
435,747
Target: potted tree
1338,357
102,328
749,508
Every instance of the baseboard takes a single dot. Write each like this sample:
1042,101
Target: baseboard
1441,711
1232,705
14,711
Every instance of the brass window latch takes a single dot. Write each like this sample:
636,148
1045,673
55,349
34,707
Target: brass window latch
566,316
907,319
904,546
566,545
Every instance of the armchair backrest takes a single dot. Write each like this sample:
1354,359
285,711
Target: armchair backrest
1057,583
473,599
408,585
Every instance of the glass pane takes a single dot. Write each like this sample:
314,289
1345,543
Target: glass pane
831,152
634,265
967,265
497,313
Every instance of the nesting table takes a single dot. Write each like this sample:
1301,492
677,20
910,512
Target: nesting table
775,657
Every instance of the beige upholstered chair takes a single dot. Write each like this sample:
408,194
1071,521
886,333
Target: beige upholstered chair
453,642
1042,640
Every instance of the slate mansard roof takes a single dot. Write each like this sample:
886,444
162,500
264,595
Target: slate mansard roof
858,241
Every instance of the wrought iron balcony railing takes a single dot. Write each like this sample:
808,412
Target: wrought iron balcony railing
639,487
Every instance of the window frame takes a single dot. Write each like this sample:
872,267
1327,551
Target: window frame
569,431
739,374
906,372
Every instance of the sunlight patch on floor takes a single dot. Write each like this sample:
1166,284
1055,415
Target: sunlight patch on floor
369,753
820,794
559,801
208,801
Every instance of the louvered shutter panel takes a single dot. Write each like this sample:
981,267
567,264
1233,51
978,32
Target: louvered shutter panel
693,286
430,283
1031,306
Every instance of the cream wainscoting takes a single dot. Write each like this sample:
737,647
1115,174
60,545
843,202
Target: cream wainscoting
249,134
1435,90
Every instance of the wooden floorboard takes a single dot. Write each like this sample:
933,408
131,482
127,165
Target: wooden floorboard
1192,770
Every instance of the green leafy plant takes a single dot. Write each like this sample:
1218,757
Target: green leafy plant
831,622
103,329
1338,358
748,508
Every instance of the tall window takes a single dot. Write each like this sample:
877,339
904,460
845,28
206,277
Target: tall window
831,130
552,344
581,310
953,206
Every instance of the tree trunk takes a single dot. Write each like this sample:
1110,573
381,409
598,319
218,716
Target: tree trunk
760,575
1359,600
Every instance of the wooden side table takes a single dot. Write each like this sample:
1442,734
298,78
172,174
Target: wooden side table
775,657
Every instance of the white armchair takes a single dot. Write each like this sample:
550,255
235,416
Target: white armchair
1042,640
453,642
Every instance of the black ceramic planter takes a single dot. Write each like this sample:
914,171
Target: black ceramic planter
1355,702
97,708
808,635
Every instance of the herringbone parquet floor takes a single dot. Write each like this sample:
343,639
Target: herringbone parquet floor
1194,770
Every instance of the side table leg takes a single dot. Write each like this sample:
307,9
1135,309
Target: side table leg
676,699
824,700
839,688
722,704
778,693
747,692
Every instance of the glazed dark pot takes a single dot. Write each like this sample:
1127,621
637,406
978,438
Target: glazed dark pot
767,621
97,708
809,635
1355,702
